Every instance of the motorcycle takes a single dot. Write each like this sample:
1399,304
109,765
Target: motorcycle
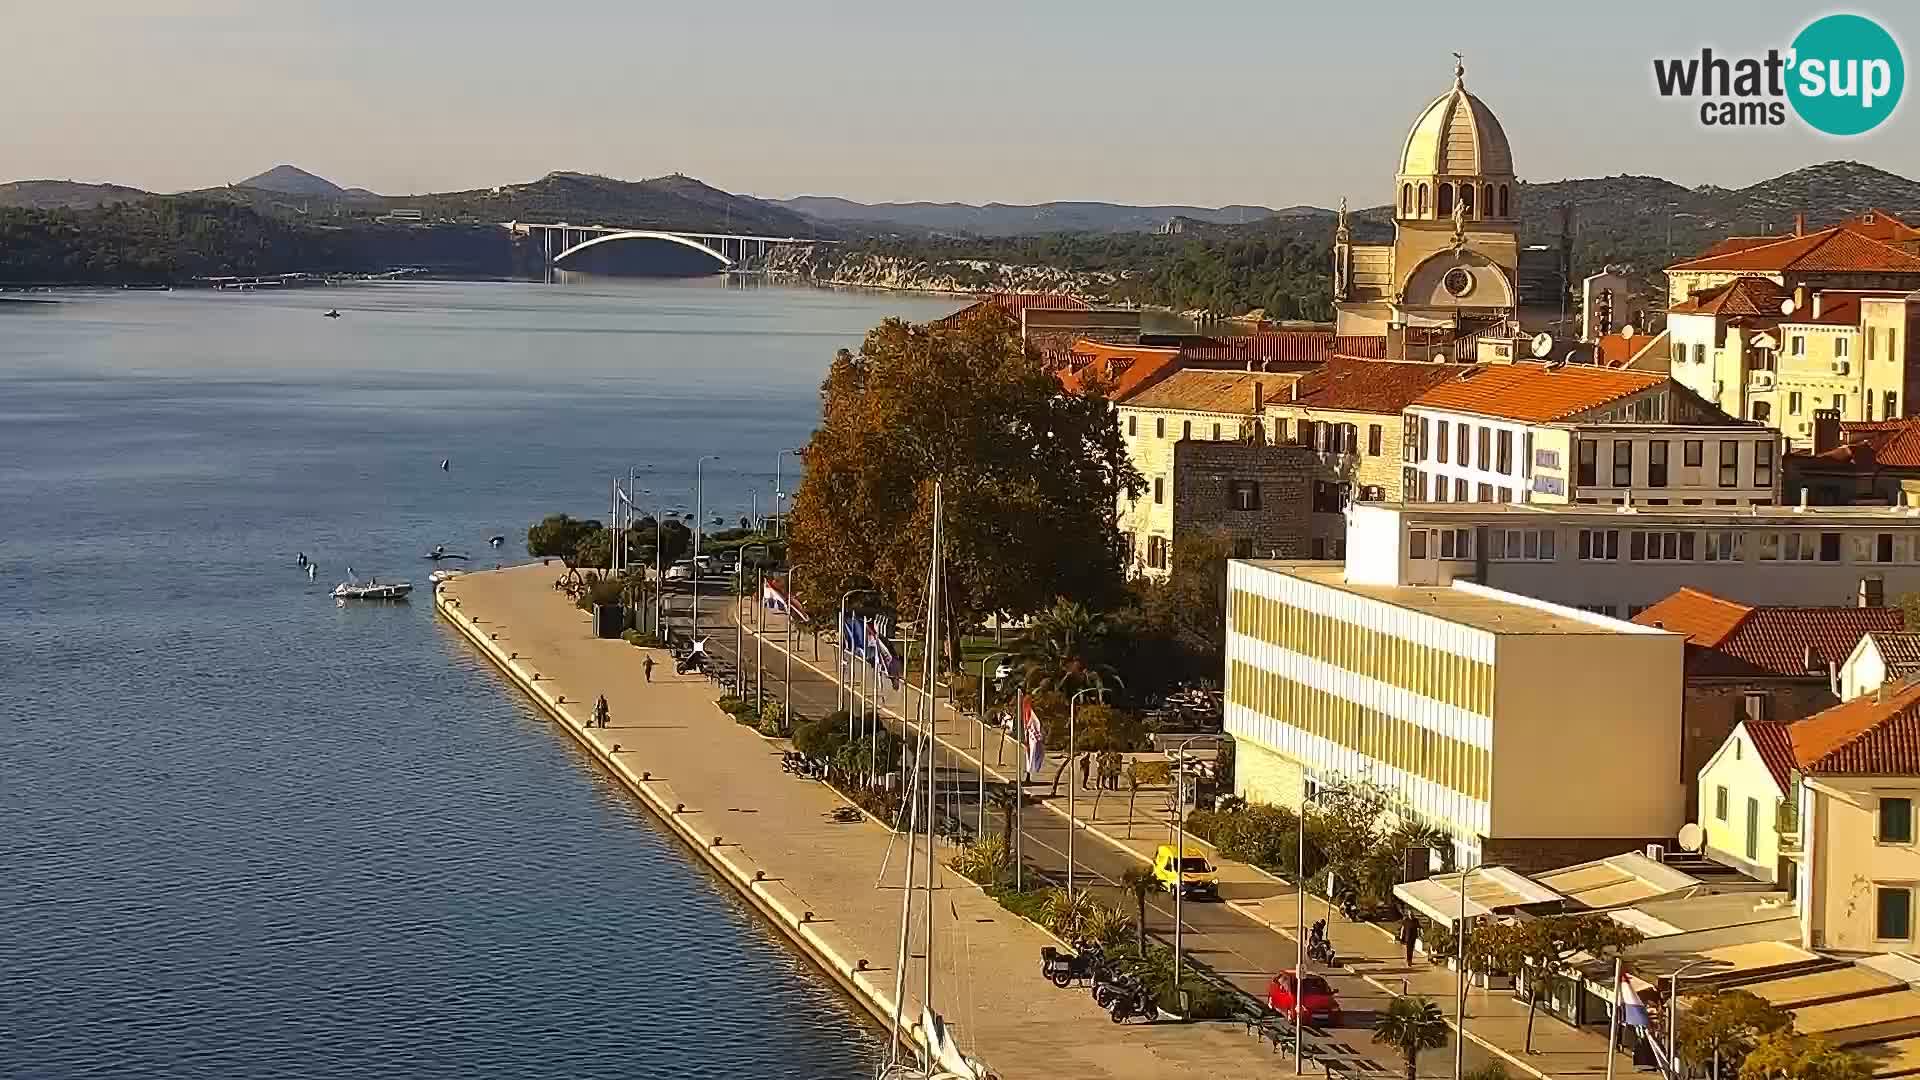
1109,985
1064,969
1319,949
1132,1000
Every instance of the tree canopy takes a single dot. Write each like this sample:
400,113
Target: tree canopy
1031,476
1542,950
1725,1025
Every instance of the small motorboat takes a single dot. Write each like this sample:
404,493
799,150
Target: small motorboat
440,552
332,313
371,589
439,576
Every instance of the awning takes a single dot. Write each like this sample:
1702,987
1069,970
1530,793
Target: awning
1490,889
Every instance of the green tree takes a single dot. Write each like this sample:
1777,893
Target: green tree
1542,950
1031,477
675,540
1782,1055
1411,1024
558,536
1139,881
1065,651
594,549
1723,1026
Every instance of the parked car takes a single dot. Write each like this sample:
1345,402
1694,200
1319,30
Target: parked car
1195,876
1317,1005
681,571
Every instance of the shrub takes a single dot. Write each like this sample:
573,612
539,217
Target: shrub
599,590
1492,1070
771,729
1153,773
984,862
821,738
1266,836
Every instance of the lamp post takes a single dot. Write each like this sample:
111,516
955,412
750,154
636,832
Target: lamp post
778,492
759,638
1673,1015
699,525
786,702
1300,934
1180,869
982,717
1460,976
1073,823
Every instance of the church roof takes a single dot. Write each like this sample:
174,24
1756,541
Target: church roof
1457,135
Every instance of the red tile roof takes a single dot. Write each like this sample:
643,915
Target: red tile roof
1773,742
1534,393
1879,442
1210,390
1873,735
1837,249
1283,347
1741,296
1882,226
1726,639
1617,351
1012,305
1370,386
1125,369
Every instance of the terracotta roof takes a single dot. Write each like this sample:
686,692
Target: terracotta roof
1126,369
1210,390
1881,442
1616,351
1726,639
1011,305
1736,243
1282,347
1900,651
1533,393
1873,735
1882,226
1840,248
1741,296
1772,741
1344,384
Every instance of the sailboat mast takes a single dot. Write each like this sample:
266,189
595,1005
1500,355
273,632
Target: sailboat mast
912,807
930,699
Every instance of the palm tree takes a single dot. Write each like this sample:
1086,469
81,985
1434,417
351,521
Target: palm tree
1411,1024
1065,649
1139,881
1005,798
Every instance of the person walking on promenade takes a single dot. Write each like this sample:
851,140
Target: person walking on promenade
600,712
647,666
1086,770
1409,934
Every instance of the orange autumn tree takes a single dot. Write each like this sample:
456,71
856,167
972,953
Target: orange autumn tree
1031,476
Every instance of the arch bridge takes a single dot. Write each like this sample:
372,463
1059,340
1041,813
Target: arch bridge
730,252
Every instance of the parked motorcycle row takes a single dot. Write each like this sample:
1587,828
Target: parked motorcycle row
1119,993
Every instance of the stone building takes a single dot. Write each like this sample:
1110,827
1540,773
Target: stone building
1256,494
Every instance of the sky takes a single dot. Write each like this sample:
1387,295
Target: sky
1266,102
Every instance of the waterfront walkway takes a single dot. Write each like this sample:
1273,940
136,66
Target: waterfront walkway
774,837
1251,935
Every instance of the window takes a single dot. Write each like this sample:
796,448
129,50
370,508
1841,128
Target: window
1327,497
1456,544
1133,425
1753,828
1439,489
1243,547
1896,821
1762,411
1756,707
1842,348
1440,446
1657,463
1517,545
1443,200
1413,485
1506,494
1622,463
1466,199
1690,453
1303,432
1459,490
1485,459
1422,200
1375,437
1587,472
1159,427
1723,546
1243,494
1279,430
1503,201
1660,546
1413,438
1216,431
1599,544
1793,403
1157,552
1892,407
1483,493
1829,547
1840,404
1465,444
1769,547
1699,354
1417,544
1526,455
1720,803
1762,463
1159,491
1319,547
1797,345
1503,463
1186,429
1893,913
1406,200
1729,464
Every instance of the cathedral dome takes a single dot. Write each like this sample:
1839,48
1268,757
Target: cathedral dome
1457,135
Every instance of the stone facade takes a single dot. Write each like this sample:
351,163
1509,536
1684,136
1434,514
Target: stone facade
1712,707
1356,455
1260,495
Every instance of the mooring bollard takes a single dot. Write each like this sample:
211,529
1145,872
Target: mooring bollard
759,875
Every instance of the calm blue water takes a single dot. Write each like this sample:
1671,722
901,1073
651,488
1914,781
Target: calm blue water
247,833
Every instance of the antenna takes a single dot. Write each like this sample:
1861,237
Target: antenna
1542,344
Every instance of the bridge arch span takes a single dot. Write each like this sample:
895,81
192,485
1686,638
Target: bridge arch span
602,243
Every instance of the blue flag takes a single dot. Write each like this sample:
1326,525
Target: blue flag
853,636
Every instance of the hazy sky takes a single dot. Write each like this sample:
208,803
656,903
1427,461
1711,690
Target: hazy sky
1266,101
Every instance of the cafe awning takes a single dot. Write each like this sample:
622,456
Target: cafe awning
1490,890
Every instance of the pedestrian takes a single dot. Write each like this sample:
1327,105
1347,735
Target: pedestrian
1086,770
600,712
1410,934
647,666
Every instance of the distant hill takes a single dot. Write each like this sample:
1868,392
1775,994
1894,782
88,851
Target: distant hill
288,180
1013,219
674,201
65,194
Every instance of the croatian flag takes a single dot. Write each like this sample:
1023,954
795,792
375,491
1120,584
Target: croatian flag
882,654
776,600
1633,1012
853,636
1036,738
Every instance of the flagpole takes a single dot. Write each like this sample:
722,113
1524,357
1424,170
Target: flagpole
760,648
1020,793
1613,1028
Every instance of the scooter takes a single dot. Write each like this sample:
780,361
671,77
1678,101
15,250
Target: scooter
1132,1001
1319,949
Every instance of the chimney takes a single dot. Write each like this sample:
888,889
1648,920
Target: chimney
1293,390
1816,304
1259,395
1826,430
1799,299
1800,224
1803,500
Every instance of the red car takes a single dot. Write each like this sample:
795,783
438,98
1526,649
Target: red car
1317,1005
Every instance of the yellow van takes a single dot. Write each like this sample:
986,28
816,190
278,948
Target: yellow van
1194,874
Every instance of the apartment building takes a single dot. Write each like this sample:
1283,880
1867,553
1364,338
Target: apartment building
1526,730
1545,433
1621,560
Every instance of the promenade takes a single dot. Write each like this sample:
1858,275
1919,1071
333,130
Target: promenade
774,837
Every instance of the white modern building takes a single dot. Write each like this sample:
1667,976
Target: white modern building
1618,560
1535,734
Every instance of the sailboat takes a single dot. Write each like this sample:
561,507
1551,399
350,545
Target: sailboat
937,1055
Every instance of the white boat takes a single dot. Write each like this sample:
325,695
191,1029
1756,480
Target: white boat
371,589
439,576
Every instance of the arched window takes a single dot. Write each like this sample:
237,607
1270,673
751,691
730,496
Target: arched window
1443,202
1486,201
1423,200
1505,211
1466,198
1406,199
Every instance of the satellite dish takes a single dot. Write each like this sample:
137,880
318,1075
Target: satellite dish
1542,344
1786,306
1439,358
1691,837
1627,332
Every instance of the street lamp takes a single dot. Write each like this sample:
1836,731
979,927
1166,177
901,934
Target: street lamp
1180,869
982,716
699,525
1460,975
778,493
1073,823
786,715
1300,939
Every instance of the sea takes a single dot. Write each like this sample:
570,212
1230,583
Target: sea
247,832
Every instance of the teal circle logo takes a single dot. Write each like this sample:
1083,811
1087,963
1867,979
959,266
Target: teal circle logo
1846,74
